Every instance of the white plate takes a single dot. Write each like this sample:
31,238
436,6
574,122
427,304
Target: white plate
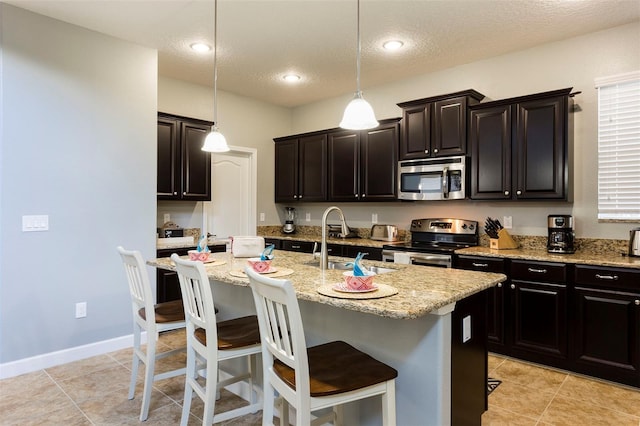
344,289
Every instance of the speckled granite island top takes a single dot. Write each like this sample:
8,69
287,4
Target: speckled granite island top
579,257
421,289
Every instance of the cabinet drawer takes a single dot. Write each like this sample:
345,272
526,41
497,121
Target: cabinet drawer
482,264
608,277
277,244
303,246
539,271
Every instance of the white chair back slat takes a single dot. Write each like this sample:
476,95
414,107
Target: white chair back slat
197,299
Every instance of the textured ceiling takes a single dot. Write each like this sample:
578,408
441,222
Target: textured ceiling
258,41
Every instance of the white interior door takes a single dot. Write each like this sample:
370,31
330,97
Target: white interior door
232,210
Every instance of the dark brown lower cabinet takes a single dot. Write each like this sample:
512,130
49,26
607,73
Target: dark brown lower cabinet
167,284
606,338
581,318
496,338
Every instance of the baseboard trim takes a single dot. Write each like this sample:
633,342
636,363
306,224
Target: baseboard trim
51,359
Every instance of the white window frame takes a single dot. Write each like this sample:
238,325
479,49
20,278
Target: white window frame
619,147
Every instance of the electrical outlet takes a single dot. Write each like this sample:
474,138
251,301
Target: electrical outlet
81,309
167,217
374,217
261,217
307,217
507,222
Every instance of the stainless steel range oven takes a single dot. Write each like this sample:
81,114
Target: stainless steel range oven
433,242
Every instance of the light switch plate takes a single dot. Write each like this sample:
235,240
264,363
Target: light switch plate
308,217
31,223
261,217
374,218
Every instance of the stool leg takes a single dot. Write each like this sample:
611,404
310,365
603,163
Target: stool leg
135,360
389,404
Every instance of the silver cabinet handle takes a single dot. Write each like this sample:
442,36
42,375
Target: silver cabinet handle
184,193
480,265
426,151
518,192
175,193
295,196
506,192
294,246
499,285
607,277
300,197
513,286
637,302
435,150
537,271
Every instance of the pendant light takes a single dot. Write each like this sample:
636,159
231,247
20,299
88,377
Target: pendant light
215,141
358,115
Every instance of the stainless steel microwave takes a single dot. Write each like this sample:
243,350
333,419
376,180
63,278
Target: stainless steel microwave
432,179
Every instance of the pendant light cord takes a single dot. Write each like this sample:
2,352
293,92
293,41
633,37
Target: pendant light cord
215,64
358,52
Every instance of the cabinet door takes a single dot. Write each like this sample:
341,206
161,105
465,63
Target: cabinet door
607,334
168,159
344,166
312,172
490,145
495,298
196,163
449,127
416,132
286,171
540,147
540,321
379,163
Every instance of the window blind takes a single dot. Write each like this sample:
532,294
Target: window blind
619,147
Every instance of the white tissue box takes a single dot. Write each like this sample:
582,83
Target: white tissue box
247,246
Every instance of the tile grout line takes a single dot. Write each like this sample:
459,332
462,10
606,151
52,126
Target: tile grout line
69,396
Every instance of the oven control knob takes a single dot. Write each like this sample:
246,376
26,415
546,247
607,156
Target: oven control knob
464,226
471,227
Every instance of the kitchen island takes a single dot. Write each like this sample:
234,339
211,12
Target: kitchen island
411,330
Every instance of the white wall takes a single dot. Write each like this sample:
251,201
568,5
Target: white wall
570,63
78,143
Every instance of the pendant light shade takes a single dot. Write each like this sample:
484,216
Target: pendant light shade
215,141
359,114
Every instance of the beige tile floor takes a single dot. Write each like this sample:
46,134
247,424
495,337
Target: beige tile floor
94,392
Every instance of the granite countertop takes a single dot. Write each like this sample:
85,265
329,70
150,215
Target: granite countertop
597,258
421,289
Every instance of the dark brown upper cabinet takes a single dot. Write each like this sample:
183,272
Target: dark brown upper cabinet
301,168
519,148
436,126
184,170
363,163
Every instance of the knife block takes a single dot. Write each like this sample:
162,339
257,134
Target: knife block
504,241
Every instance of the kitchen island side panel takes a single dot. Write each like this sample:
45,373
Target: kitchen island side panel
420,349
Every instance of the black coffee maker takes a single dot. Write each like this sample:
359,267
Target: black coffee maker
561,235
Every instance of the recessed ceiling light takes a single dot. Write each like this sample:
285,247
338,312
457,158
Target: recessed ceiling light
392,44
291,78
200,47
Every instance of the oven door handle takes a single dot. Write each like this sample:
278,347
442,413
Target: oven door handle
445,182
